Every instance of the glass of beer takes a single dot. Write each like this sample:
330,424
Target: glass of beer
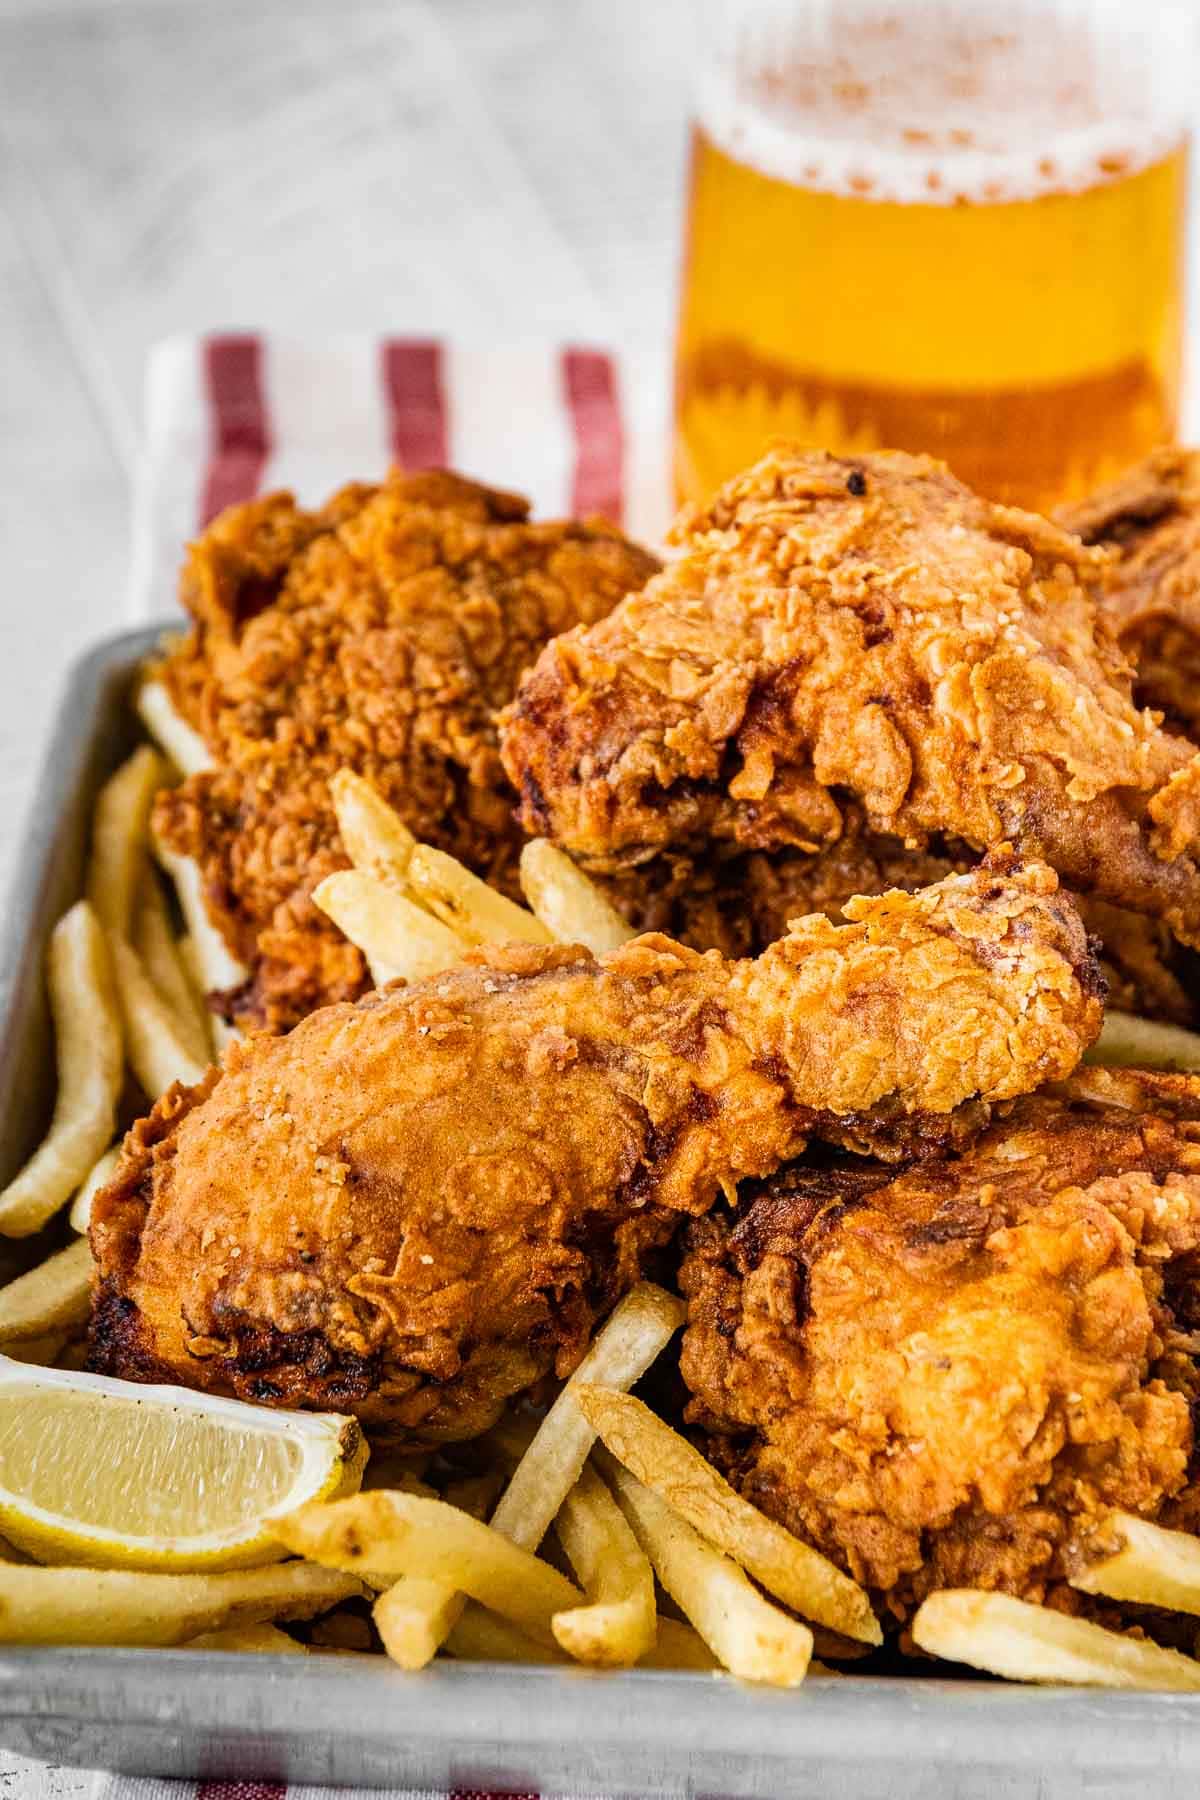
945,225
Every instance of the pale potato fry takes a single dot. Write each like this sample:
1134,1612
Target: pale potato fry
397,937
678,1646
157,1053
414,1616
1153,1566
750,1636
91,1068
1023,1642
125,1606
219,968
170,730
469,906
98,1176
119,834
374,836
571,907
260,1640
154,940
403,1534
617,1627
807,1581
1129,1042
479,1636
52,1298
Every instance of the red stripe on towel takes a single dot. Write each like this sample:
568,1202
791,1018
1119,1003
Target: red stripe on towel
239,433
241,1790
415,396
593,401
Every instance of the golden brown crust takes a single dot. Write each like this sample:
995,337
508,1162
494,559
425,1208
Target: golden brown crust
380,633
940,1379
860,630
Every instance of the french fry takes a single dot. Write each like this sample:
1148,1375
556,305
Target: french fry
261,1640
154,941
125,1606
170,730
403,1534
479,1636
157,1053
750,1636
374,836
219,968
397,937
414,1617
1129,1042
98,1176
53,1298
617,1628
1023,1642
119,830
807,1581
678,1646
571,907
1153,1566
469,906
91,1069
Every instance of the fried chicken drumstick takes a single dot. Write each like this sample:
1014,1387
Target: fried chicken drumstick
861,630
414,1207
943,1379
378,634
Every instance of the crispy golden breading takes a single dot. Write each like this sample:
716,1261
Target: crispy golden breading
379,634
861,630
940,1378
1150,519
414,1207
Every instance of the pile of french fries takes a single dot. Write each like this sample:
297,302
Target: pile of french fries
595,1534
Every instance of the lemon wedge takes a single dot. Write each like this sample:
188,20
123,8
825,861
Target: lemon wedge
115,1475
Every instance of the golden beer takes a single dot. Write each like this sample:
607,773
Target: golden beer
916,242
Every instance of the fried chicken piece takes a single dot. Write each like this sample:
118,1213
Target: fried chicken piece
414,1207
861,629
1150,519
944,1378
380,634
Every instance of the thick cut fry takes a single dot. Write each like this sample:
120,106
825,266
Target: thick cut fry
744,1631
87,1028
154,940
219,968
469,906
53,1298
403,1534
1023,1642
157,1053
617,1627
414,1616
571,907
170,730
677,1646
1153,1566
1129,1042
260,1640
479,1636
398,938
110,1606
374,836
98,1176
808,1582
119,830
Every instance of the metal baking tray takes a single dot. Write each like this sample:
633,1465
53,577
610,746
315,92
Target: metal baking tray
331,1720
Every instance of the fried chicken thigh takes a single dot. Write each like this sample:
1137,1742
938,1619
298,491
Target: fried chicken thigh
1150,519
861,630
944,1378
414,1207
380,634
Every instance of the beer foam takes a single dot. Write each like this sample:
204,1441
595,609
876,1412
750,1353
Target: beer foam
912,110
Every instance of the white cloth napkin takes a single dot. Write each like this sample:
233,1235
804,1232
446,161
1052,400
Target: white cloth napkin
579,429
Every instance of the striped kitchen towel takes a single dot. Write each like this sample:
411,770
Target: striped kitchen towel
577,428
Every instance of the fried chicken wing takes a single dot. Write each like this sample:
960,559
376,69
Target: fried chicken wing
380,634
861,630
415,1206
944,1378
1150,519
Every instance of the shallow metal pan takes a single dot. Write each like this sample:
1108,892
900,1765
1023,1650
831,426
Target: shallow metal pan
335,1720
